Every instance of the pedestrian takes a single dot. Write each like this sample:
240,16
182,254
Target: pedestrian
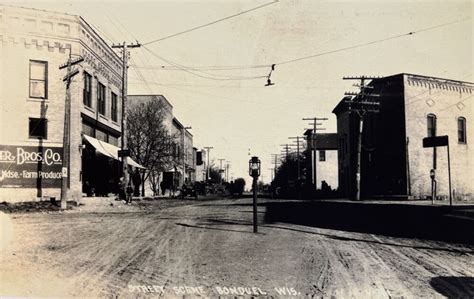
121,189
163,187
129,193
137,180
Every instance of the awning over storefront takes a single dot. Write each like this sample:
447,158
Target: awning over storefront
109,150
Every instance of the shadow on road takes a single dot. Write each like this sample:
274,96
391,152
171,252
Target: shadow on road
398,220
341,238
454,287
213,228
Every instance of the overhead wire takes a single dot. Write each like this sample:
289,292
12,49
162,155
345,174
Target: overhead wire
195,72
372,42
210,23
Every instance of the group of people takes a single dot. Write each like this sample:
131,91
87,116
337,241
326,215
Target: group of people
126,192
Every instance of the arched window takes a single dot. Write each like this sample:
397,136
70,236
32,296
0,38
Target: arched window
462,130
431,124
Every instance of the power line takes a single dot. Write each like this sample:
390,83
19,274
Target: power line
189,70
372,42
205,68
210,23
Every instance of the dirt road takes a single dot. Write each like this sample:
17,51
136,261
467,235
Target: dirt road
208,249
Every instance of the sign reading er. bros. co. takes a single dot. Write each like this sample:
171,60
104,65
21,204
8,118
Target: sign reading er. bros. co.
30,166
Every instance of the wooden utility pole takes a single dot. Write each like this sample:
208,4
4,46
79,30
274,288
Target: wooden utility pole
298,164
220,169
208,153
67,127
315,129
184,153
123,144
359,104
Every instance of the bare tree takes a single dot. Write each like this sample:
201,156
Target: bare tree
149,141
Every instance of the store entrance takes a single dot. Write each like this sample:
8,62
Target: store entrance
100,174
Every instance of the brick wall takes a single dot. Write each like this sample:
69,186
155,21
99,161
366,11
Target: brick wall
29,34
448,100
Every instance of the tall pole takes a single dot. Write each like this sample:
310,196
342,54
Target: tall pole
66,136
359,150
220,169
449,175
254,187
183,130
361,108
67,127
208,150
298,165
124,141
313,146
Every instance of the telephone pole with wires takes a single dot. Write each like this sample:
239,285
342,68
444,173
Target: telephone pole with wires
208,153
124,152
361,106
298,177
67,126
315,129
221,170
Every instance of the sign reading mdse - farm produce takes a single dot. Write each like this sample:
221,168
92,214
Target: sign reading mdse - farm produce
30,166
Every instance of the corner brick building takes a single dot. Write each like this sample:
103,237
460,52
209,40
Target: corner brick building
33,44
393,160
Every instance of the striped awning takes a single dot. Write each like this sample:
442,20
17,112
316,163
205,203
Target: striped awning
109,150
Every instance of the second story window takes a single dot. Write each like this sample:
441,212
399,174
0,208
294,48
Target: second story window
114,111
101,98
87,91
462,130
38,79
431,124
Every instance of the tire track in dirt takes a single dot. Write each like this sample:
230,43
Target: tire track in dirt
412,263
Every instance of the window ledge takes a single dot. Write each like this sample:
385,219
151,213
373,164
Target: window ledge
37,100
89,108
103,117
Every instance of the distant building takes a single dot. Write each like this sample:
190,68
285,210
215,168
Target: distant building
185,165
393,160
33,45
326,160
184,153
201,167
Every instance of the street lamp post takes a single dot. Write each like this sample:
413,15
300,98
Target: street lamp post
254,172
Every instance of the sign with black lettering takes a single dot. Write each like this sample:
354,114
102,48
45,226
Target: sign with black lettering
30,166
435,141
124,153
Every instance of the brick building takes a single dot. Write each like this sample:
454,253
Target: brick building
184,151
393,160
33,44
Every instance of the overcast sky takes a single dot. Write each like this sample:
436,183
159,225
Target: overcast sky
234,116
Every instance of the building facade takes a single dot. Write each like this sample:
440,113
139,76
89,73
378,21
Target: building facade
183,151
33,45
321,157
394,162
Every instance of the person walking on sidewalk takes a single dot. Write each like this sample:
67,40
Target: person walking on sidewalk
129,193
137,180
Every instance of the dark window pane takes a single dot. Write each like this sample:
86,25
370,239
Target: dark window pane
38,128
462,130
431,124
